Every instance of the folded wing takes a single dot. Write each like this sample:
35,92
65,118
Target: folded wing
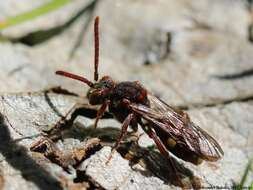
178,126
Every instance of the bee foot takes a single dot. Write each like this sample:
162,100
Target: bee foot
41,145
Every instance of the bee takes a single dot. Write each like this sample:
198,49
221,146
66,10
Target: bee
133,105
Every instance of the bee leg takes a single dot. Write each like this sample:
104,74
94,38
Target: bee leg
65,120
134,124
64,123
161,147
122,134
100,112
157,141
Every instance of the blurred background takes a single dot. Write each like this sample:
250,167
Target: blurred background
192,54
186,52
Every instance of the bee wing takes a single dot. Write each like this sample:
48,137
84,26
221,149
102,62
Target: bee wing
179,126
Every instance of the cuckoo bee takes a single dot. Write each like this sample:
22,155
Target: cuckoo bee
130,103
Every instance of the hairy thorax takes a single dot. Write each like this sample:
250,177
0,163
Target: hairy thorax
131,91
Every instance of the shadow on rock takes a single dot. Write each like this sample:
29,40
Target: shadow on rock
17,156
155,164
159,166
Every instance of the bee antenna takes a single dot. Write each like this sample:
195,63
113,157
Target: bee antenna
96,41
75,77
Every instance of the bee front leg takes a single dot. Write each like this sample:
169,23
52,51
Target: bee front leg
125,125
100,112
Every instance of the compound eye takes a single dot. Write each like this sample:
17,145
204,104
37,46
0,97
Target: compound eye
107,83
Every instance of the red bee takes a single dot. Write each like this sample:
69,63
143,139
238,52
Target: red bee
130,103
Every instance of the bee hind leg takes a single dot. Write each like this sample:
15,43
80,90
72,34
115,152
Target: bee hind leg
161,147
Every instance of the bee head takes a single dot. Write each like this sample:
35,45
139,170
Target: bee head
100,91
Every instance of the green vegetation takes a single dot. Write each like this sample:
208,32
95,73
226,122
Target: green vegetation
44,9
244,177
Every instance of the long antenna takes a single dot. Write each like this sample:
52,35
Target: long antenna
96,41
75,77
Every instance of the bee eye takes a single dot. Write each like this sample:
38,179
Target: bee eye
107,84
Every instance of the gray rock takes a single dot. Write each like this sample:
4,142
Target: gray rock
23,118
27,114
191,54
117,174
200,62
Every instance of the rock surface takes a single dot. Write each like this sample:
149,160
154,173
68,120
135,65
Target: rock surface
195,55
40,111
